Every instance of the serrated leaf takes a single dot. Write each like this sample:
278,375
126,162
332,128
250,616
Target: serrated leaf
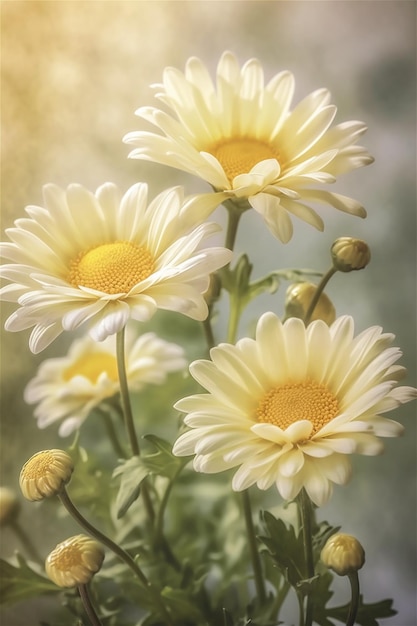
132,473
20,582
367,615
285,548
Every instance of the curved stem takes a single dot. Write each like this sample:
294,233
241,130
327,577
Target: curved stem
319,291
354,603
88,605
114,547
128,416
253,548
306,523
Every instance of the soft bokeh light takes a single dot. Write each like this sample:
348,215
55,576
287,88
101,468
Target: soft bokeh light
74,72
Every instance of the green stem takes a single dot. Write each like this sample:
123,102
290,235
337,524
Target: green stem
122,554
26,542
111,432
234,317
306,524
319,291
354,603
159,537
253,548
235,214
300,599
116,549
128,416
208,332
124,393
88,605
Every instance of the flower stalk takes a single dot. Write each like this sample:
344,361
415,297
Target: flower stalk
128,416
320,288
307,530
88,605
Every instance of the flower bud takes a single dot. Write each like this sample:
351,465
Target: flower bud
45,473
298,298
343,554
9,506
350,254
74,561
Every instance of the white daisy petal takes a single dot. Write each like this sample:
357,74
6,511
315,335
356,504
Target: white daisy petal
228,132
100,259
280,409
67,389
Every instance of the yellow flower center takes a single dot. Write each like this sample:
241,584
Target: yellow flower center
289,403
111,267
66,556
91,366
39,465
238,155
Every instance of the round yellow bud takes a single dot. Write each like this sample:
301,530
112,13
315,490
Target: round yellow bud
343,554
9,506
297,300
45,473
74,561
350,254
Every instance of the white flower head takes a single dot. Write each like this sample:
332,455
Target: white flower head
290,406
102,259
241,136
67,389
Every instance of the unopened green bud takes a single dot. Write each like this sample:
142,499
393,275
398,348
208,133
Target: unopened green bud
297,301
350,254
74,561
45,473
9,506
343,554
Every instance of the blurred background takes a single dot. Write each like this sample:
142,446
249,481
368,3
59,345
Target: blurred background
72,75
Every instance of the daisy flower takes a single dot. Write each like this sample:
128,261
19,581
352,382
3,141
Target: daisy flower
69,388
241,137
101,259
290,406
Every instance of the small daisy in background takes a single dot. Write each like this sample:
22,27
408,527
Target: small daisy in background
241,136
102,259
67,389
289,407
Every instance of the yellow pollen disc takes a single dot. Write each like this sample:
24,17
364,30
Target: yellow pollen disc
239,155
112,267
38,466
289,403
91,366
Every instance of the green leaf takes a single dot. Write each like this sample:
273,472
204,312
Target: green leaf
181,605
368,614
285,547
132,472
162,462
20,582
